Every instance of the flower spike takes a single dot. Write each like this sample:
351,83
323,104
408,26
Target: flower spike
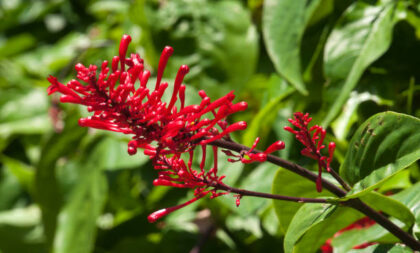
312,139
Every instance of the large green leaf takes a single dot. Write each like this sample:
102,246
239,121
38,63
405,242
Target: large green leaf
19,230
388,248
47,190
348,116
389,206
76,226
361,36
313,224
284,23
114,155
257,180
385,144
287,183
409,198
401,180
24,173
10,189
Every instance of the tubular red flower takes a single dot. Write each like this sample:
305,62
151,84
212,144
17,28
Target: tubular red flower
164,57
312,139
163,212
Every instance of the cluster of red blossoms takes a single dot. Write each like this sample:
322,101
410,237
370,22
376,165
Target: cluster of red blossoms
313,143
163,130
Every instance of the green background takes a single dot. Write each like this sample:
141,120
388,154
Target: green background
64,188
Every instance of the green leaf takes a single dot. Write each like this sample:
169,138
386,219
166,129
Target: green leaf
270,222
114,155
256,181
389,206
388,248
382,146
46,185
313,224
16,44
284,23
19,230
14,120
288,183
361,36
220,34
76,226
10,189
411,198
23,172
344,122
401,180
264,117
45,59
401,206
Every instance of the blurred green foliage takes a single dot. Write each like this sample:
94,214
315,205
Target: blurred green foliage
68,189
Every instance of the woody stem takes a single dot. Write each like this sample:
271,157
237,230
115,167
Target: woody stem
242,192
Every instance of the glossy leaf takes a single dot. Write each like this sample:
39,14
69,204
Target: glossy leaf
390,206
389,248
361,36
313,224
376,233
288,183
284,23
76,226
346,119
401,180
384,145
411,198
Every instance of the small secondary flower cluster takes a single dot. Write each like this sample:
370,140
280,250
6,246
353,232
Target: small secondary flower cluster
313,143
163,130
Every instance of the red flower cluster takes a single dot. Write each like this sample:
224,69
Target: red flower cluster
162,129
139,111
312,139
